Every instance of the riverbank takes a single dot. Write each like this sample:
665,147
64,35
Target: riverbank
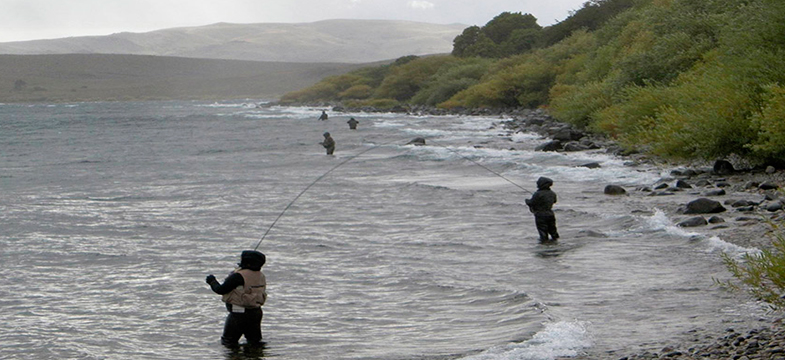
743,200
741,205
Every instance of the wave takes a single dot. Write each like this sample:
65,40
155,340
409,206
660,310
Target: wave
557,339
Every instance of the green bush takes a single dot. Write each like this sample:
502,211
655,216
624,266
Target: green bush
404,81
761,275
770,122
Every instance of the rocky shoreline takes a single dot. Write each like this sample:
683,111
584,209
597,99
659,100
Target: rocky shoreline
736,205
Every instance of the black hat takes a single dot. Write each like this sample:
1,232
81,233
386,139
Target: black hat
252,260
326,134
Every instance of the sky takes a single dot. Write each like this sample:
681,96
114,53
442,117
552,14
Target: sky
48,19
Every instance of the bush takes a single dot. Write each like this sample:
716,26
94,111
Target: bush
770,122
761,275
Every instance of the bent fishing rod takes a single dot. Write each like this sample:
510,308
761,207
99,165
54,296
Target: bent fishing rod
350,158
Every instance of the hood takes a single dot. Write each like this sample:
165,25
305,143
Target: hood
544,183
252,260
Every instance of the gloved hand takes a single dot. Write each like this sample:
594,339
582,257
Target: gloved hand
210,279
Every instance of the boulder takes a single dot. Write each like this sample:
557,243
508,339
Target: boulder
567,135
774,206
716,220
768,186
693,222
715,192
704,206
723,167
417,141
614,190
552,145
591,165
681,184
573,146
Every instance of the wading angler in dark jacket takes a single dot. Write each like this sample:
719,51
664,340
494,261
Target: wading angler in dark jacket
541,204
244,291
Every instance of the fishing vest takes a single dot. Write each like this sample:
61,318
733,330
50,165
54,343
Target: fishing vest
252,294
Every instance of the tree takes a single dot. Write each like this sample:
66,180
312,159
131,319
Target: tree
503,25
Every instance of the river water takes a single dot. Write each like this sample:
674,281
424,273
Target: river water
113,213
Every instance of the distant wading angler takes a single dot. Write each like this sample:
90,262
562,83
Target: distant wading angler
244,291
328,143
352,123
541,204
323,116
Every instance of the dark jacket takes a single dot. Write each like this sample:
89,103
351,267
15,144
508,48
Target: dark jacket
541,202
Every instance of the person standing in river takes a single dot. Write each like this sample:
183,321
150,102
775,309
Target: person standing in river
541,204
352,123
244,291
328,143
323,116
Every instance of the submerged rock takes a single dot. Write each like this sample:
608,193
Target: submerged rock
614,190
693,222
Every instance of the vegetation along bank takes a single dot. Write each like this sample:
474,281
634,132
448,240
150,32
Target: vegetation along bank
680,79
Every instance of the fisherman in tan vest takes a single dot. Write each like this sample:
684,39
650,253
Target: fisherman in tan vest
244,291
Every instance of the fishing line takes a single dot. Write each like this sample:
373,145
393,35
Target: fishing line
309,186
354,157
484,167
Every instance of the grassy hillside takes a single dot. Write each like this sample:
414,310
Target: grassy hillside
25,78
341,41
695,79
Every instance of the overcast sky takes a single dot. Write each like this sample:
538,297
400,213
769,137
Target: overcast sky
46,19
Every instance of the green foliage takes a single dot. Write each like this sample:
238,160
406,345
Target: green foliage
506,34
761,275
404,81
770,122
679,78
591,16
451,79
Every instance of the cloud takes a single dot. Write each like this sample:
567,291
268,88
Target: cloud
424,5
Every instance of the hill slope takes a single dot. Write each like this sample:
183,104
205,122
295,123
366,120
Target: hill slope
93,77
344,41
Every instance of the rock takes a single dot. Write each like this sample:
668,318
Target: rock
704,206
681,184
774,206
614,190
567,135
661,186
573,146
693,222
768,186
552,145
716,220
703,183
770,170
591,165
723,167
417,141
742,203
751,184
715,192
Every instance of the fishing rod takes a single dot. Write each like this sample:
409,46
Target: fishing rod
354,157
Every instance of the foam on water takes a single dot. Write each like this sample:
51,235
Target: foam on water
557,339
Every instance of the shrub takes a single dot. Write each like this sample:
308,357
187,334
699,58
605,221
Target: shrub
762,275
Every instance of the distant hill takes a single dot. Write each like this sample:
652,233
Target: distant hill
97,77
337,41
